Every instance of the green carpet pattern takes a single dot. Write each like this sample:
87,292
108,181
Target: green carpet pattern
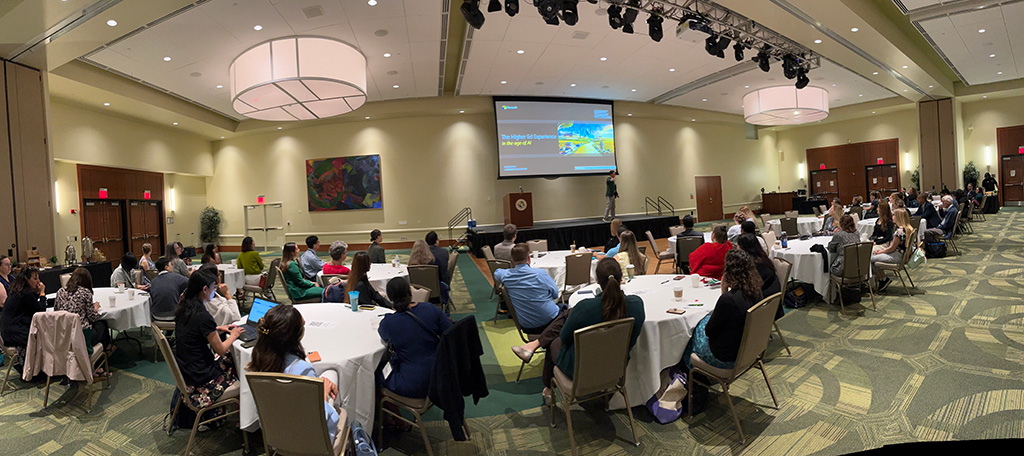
944,363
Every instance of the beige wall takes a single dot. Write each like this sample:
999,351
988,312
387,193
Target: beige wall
434,166
980,120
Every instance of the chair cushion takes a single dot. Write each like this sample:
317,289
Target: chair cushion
97,351
716,371
563,382
232,391
887,266
252,288
666,255
420,404
341,437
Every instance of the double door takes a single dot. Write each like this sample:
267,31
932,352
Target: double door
883,179
104,225
1012,180
825,182
144,225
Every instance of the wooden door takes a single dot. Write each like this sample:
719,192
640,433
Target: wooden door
137,226
891,175
875,176
824,182
153,221
709,198
103,224
1012,180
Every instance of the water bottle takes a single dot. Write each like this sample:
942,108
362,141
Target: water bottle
785,244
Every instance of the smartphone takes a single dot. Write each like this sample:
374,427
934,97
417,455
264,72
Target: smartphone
585,292
313,356
676,311
678,278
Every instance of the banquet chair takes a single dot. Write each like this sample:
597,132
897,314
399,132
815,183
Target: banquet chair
967,215
267,291
856,271
64,280
303,428
522,335
9,353
684,247
150,273
823,209
765,218
284,282
417,406
453,260
754,342
908,252
817,211
419,293
538,245
714,226
791,228
577,273
139,274
227,398
792,214
488,253
642,249
777,229
782,270
602,352
769,239
921,225
56,354
666,255
325,279
492,266
425,275
857,211
856,218
981,209
674,230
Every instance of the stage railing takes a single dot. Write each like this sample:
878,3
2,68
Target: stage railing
465,214
648,203
668,205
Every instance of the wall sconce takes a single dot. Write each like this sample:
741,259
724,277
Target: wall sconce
988,156
56,196
171,200
800,170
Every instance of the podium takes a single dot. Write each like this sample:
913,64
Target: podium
518,209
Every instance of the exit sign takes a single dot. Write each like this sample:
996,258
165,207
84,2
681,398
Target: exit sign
1020,150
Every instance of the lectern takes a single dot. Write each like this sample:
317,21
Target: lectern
519,209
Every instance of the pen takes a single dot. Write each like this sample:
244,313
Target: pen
665,282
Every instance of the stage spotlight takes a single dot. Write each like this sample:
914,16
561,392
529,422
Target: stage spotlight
716,45
789,66
738,49
569,12
511,7
548,10
614,16
723,44
801,78
629,16
471,11
494,5
710,44
654,27
763,59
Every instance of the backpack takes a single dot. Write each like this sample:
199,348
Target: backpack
362,444
935,250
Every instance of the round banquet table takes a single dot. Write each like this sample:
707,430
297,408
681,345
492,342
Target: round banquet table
234,277
805,225
553,263
664,336
347,342
866,227
126,313
380,274
672,242
808,266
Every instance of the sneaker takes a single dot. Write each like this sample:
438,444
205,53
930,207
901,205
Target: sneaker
884,283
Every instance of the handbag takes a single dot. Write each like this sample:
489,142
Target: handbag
917,259
667,405
263,280
362,444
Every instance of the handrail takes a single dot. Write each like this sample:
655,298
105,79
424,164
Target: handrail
667,204
465,214
648,202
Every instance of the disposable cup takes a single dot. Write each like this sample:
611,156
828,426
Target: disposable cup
694,280
677,292
353,299
112,301
131,294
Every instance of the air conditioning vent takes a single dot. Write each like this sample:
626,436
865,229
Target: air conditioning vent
313,11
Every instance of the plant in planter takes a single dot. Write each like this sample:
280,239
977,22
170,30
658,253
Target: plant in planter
209,224
971,174
915,178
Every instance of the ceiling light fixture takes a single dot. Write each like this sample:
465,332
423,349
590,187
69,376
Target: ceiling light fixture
520,51
387,55
291,78
219,86
367,117
106,104
763,59
875,73
572,85
112,23
801,78
614,16
703,99
671,70
493,6
570,15
981,30
855,30
462,112
167,59
604,58
817,41
511,7
548,10
633,90
394,86
991,55
257,27
737,50
630,16
175,124
785,105
279,128
372,2
504,82
904,67
999,72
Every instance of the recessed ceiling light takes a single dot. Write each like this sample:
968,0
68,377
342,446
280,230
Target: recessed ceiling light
504,82
167,59
630,115
904,90
875,73
257,27
462,112
999,72
372,2
367,117
175,123
931,86
671,70
520,51
855,30
817,41
221,137
904,67
394,86
991,55
833,85
279,128
604,58
703,99
860,94
634,90
984,96
387,55
112,23
219,86
106,104
572,85
693,120
981,30
746,87
872,112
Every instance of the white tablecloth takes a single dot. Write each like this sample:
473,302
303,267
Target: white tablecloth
805,225
234,277
380,274
672,242
866,227
348,344
126,313
664,336
554,263
808,266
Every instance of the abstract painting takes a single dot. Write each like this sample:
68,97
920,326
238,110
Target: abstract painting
344,183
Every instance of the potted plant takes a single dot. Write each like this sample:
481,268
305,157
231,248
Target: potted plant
971,174
209,225
915,178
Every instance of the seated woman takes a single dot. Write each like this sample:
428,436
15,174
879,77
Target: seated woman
279,349
611,304
123,275
359,281
297,286
831,223
222,307
206,376
737,229
250,261
339,250
421,256
716,339
146,262
76,297
709,259
173,252
6,278
892,253
414,331
846,235
614,250
211,254
882,235
614,240
26,297
629,253
765,267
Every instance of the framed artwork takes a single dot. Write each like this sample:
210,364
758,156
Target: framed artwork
344,183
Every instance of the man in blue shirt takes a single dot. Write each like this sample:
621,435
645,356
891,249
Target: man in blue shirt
309,262
949,215
533,293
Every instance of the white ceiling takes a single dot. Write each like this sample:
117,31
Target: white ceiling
204,40
911,5
970,52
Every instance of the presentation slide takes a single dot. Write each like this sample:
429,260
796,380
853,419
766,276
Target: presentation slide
554,138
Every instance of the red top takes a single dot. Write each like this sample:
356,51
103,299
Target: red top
332,269
709,259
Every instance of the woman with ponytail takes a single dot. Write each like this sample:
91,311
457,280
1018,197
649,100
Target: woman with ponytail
198,338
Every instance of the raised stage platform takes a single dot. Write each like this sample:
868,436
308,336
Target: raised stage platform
589,232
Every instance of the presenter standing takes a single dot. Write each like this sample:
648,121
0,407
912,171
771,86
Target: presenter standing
611,193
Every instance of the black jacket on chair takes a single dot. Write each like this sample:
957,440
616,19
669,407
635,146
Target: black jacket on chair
458,373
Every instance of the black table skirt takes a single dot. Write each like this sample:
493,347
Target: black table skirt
991,205
101,273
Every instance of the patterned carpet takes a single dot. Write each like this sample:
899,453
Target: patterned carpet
945,363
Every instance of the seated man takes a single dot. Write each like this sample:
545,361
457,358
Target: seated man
440,257
911,198
503,251
309,263
376,252
533,293
927,210
688,225
709,259
165,290
948,224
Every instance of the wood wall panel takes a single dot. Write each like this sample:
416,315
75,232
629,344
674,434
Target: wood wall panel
121,184
8,230
850,162
931,168
947,144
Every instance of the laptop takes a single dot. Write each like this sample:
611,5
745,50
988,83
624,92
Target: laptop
259,309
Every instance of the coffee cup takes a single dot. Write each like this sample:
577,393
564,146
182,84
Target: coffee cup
630,271
131,294
694,280
234,263
112,301
120,288
677,292
572,247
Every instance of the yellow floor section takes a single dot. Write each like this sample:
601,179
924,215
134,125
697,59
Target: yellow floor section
503,336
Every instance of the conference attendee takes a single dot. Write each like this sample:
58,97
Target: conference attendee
911,198
747,213
503,251
359,281
279,349
612,304
250,261
420,255
146,261
770,283
339,251
708,260
845,235
857,200
440,257
896,201
181,253
892,253
610,193
26,297
831,222
375,251
927,210
123,275
6,278
748,227
309,262
716,338
947,225
735,230
413,331
614,250
882,233
614,228
76,297
872,212
298,286
221,306
173,253
688,230
971,193
198,339
532,291
211,254
165,291
629,254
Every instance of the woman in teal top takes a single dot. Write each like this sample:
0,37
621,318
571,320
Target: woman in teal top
298,287
612,304
250,261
